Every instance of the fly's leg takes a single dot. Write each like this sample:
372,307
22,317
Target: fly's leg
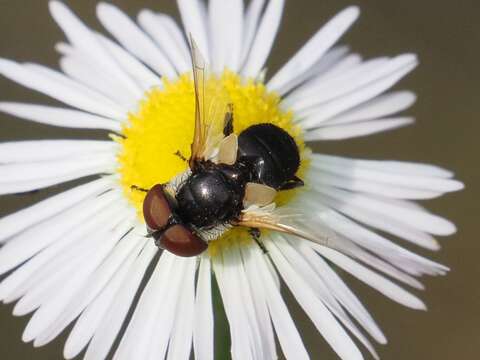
138,188
255,234
228,121
293,183
180,155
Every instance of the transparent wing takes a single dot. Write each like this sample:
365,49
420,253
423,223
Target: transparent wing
269,217
219,108
198,69
211,107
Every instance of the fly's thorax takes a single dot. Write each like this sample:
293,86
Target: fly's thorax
209,197
238,174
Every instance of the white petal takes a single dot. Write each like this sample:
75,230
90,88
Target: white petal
163,30
341,291
260,303
147,323
235,34
328,63
22,219
138,71
35,184
346,247
181,339
17,172
250,24
421,220
404,259
384,166
133,39
38,268
94,298
385,223
317,284
194,18
240,331
37,237
257,340
288,336
164,322
344,64
42,150
327,178
112,321
358,171
63,261
401,230
383,285
348,81
226,23
274,274
324,321
316,115
315,48
52,308
142,323
263,42
203,314
340,132
83,38
60,87
381,106
94,77
90,319
316,91
177,33
218,19
59,116
350,238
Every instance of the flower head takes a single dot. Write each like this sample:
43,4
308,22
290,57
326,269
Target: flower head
80,256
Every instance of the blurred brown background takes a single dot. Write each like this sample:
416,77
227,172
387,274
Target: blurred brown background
446,36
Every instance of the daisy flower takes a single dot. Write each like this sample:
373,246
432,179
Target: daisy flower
81,257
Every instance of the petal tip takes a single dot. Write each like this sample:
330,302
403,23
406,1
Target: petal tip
27,335
68,352
435,246
55,5
103,5
5,63
457,185
448,228
353,11
422,307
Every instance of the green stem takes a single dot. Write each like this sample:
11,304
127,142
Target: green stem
221,327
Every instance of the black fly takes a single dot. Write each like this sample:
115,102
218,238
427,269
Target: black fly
248,170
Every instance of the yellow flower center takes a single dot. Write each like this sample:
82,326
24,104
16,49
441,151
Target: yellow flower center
164,125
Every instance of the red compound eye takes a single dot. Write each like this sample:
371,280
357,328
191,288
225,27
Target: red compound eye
156,208
180,241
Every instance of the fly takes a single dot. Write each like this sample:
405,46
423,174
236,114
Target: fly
245,173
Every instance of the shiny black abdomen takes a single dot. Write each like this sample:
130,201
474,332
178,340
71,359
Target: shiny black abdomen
271,153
